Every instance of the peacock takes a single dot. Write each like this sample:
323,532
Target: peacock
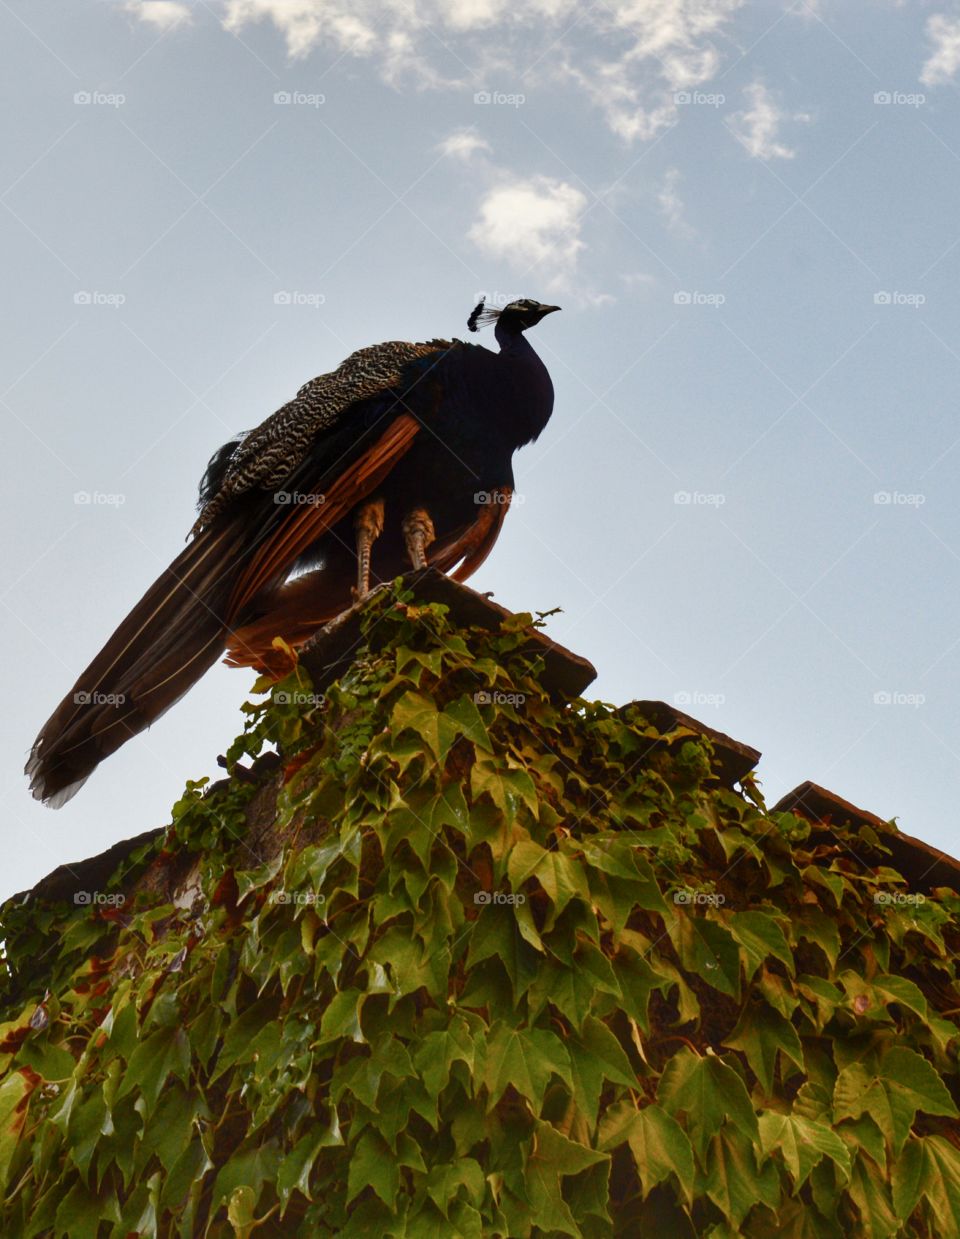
400,457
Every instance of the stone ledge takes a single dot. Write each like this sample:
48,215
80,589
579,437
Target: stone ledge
924,866
734,759
327,655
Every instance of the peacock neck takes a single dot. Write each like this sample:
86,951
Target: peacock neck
531,387
512,341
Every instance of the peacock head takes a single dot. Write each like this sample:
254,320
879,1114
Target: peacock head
517,316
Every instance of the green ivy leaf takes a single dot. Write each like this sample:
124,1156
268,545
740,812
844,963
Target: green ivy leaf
465,720
814,925
802,1143
869,1192
732,1180
561,876
595,1056
342,1017
892,1095
420,715
708,949
509,789
907,1178
444,1183
941,1182
525,1058
373,1165
14,1092
762,1033
438,1051
552,1158
164,1052
81,1211
659,1144
248,1168
760,938
708,1092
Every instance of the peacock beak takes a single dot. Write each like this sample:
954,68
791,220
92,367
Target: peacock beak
548,309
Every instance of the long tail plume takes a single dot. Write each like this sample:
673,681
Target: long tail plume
170,638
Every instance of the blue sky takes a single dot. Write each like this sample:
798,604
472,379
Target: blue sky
746,499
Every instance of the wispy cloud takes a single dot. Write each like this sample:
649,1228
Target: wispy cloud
464,144
672,206
306,24
160,14
627,57
758,126
944,61
664,47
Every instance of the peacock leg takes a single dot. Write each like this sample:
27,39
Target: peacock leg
418,533
368,524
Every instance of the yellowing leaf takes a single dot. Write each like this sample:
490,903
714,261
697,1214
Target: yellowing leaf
732,1180
660,1147
509,789
802,1143
561,876
760,938
708,1092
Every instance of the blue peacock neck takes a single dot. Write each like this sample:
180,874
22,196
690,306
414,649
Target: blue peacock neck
531,388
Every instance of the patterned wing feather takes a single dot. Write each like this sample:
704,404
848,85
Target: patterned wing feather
268,454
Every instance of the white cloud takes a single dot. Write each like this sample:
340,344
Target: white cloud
671,204
161,14
628,57
759,125
532,222
306,24
944,33
463,144
663,46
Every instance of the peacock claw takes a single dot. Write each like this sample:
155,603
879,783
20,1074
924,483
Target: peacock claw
418,533
368,524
